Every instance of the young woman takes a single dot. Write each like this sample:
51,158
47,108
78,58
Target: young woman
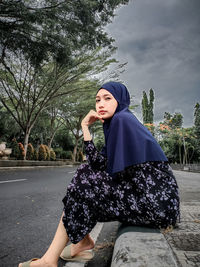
130,181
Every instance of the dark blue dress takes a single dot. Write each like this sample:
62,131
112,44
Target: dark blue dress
143,194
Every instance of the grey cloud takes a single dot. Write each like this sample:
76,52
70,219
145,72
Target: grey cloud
161,41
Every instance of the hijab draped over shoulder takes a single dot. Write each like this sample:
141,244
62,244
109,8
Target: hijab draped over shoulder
127,141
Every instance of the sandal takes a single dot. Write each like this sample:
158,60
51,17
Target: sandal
27,263
82,256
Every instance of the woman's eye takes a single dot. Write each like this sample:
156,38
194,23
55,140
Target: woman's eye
108,98
97,100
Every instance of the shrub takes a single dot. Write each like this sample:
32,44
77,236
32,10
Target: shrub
47,152
66,155
15,149
21,151
42,155
52,155
35,155
62,154
58,152
30,152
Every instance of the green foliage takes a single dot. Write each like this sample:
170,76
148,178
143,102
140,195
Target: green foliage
15,149
147,107
179,145
197,129
62,154
8,127
42,155
53,27
151,100
173,120
197,120
30,152
75,107
27,91
52,155
63,139
47,152
35,155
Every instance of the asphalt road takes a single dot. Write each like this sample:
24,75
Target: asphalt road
30,210
30,207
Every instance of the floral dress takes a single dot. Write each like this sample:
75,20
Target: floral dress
143,194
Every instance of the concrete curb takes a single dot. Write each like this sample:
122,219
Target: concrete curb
142,246
32,163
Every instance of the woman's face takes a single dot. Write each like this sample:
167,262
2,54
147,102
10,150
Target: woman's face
106,104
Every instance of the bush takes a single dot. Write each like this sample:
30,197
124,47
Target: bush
35,155
58,152
62,154
52,155
15,149
42,155
21,151
47,152
66,155
30,152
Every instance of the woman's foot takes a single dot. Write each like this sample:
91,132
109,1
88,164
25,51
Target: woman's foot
85,244
40,263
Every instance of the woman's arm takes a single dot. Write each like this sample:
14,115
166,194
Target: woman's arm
89,119
95,159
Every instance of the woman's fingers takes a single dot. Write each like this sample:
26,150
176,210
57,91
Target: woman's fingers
91,117
98,117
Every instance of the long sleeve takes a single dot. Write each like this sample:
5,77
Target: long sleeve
96,160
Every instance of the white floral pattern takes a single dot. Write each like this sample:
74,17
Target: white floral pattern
143,194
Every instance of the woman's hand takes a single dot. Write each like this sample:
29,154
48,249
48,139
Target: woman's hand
90,118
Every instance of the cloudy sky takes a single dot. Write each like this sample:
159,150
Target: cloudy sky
160,40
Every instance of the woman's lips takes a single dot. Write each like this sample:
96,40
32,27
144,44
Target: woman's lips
102,111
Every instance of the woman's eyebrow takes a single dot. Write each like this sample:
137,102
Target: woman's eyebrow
103,95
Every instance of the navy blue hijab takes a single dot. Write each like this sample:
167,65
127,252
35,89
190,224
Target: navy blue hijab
127,141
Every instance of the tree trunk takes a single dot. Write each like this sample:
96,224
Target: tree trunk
180,154
51,139
26,138
75,150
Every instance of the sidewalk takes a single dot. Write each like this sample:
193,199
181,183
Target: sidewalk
185,240
145,247
179,248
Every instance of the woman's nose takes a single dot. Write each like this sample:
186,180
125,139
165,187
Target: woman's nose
101,104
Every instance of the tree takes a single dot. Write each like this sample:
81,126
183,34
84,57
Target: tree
8,127
173,120
58,28
26,91
147,107
197,129
179,144
151,100
74,109
47,124
197,120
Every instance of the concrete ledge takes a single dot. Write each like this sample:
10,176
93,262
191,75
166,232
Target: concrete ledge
26,163
142,247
